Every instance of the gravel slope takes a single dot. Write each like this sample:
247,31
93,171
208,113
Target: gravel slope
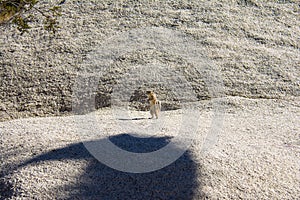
254,44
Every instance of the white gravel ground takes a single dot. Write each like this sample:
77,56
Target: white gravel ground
255,46
256,156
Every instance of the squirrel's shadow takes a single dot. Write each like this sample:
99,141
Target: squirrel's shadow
130,119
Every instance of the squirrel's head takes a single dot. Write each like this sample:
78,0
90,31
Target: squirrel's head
149,92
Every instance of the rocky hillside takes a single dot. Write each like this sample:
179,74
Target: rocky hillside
254,46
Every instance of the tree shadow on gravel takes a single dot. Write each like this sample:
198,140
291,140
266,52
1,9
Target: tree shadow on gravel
6,189
176,181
